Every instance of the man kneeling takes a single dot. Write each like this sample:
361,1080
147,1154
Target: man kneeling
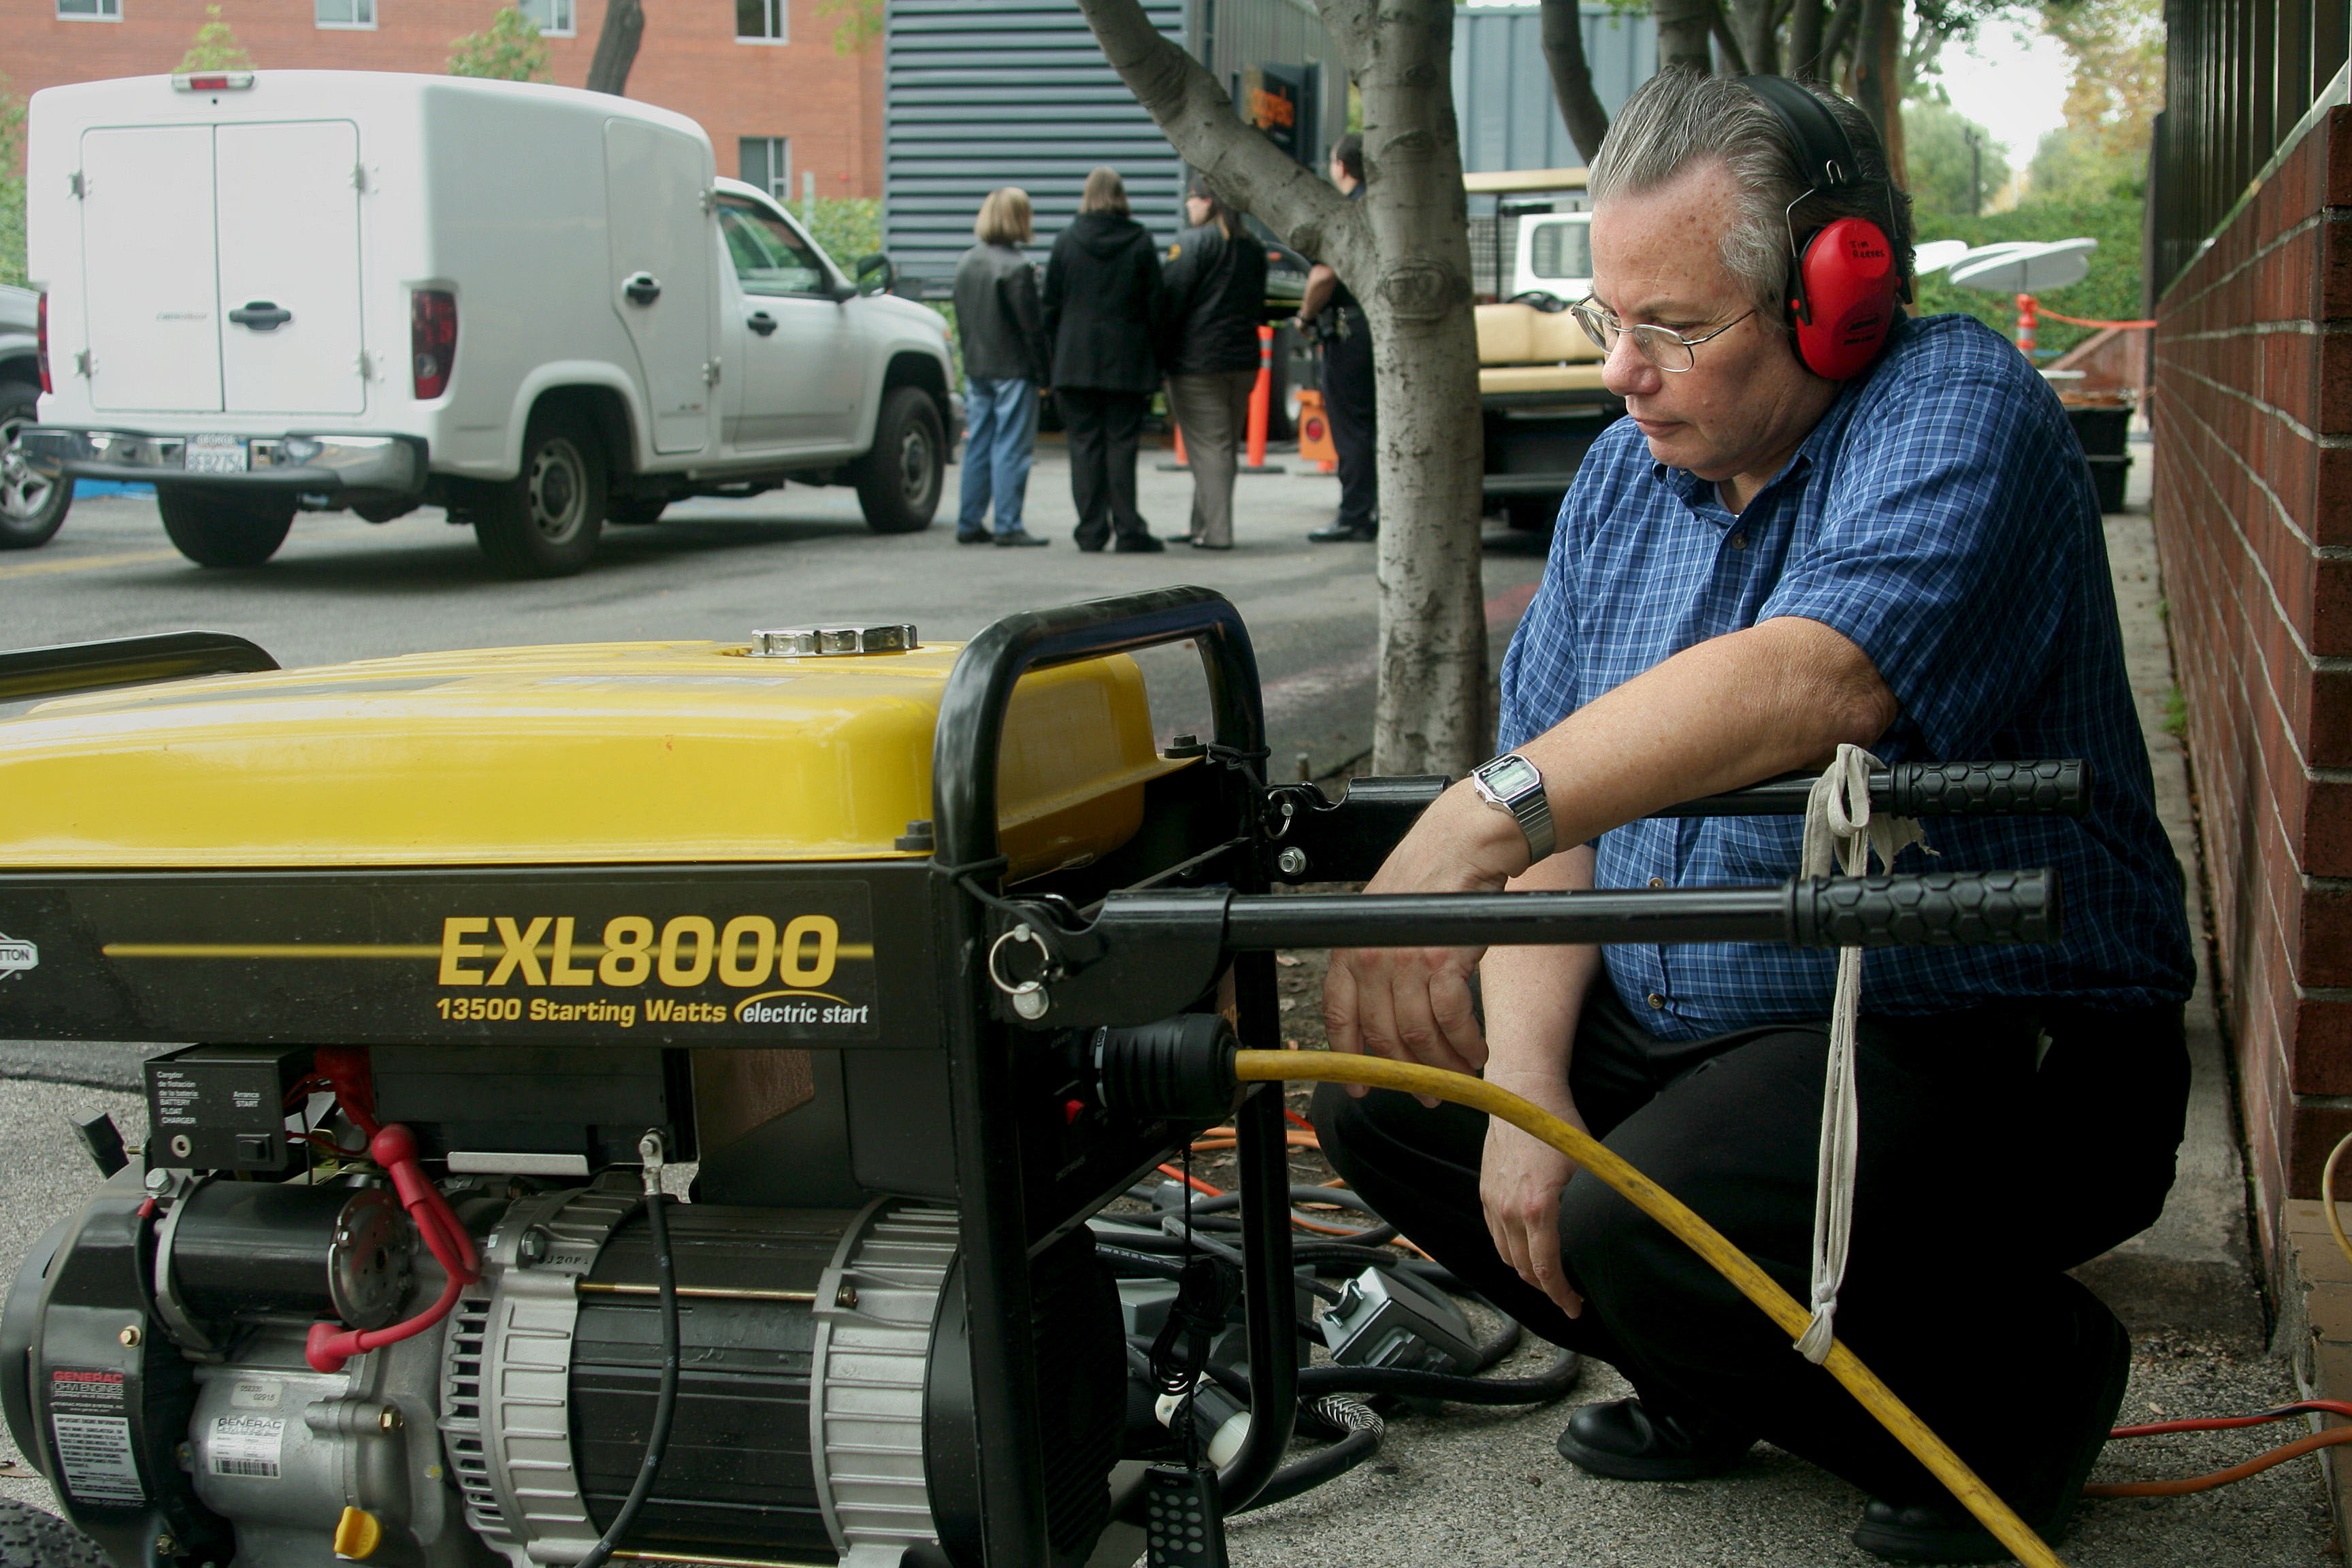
1816,525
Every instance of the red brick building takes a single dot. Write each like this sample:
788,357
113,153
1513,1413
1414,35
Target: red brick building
762,75
2250,277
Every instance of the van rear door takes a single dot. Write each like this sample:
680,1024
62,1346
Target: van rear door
288,205
150,287
657,221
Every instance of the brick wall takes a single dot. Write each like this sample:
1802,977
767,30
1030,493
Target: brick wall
828,104
2252,412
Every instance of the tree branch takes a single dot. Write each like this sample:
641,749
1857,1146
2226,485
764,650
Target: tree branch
1838,35
1196,114
1572,77
1684,27
1735,58
1805,20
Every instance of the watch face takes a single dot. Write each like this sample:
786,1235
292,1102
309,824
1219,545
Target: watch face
1511,775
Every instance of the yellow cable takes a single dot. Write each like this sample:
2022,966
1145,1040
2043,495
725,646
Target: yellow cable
1273,1067
2327,1190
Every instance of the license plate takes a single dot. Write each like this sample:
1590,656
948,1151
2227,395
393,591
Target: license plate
215,455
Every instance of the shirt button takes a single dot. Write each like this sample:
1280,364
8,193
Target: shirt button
1739,541
1657,881
1655,1000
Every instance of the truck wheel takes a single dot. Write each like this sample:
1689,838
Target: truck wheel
31,1539
634,510
898,481
544,521
216,530
32,506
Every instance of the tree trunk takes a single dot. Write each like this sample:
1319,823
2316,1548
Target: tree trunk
1877,62
1686,33
1756,25
616,46
1836,34
1404,250
1572,77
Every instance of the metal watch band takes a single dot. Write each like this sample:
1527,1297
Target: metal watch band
1526,803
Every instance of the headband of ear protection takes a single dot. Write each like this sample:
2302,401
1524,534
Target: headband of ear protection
1842,279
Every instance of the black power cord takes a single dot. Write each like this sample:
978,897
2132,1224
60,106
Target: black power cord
649,1148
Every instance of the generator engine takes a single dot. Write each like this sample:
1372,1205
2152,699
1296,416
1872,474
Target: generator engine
823,1393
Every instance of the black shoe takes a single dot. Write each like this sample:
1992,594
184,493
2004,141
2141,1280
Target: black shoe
1091,546
1623,1441
1944,1531
1136,544
973,536
1020,537
1344,533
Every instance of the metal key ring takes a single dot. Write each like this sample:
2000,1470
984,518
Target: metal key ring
996,974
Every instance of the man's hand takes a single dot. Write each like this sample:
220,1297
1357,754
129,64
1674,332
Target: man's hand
1413,1003
1520,1183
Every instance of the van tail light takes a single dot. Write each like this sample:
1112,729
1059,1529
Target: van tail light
432,340
41,340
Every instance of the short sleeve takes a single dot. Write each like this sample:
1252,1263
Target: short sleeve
1946,548
1540,685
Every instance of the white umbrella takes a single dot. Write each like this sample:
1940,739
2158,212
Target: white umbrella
1936,254
2024,269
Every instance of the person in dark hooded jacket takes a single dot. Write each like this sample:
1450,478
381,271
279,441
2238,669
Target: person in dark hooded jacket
1216,275
1103,311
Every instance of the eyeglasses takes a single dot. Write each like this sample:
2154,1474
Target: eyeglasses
1662,346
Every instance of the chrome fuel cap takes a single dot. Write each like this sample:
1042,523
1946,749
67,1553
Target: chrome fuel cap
817,642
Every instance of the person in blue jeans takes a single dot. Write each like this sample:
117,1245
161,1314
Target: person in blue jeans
999,325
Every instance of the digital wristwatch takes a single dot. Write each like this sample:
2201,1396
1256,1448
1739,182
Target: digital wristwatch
1511,783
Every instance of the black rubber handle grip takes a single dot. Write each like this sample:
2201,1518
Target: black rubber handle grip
1989,789
1936,909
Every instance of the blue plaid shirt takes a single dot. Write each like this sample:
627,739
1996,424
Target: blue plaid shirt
1942,517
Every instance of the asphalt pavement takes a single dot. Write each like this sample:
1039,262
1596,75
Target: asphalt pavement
1464,1488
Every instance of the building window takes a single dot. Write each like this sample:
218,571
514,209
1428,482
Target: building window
553,19
345,13
90,10
767,162
761,22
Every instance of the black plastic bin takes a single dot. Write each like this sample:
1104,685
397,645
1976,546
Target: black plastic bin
2102,431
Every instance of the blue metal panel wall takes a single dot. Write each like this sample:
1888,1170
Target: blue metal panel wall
1015,93
1502,88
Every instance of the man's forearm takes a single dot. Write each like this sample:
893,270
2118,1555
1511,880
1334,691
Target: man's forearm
1718,715
1534,997
1320,283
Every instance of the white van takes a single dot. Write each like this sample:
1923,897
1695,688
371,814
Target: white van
534,306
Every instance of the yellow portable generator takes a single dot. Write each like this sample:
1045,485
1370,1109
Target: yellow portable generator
923,955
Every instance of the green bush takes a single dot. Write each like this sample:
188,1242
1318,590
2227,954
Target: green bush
2111,292
847,227
508,49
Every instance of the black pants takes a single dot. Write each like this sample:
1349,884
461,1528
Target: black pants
1103,429
1355,425
1979,1179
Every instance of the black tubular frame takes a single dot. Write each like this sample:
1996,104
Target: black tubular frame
995,1230
63,669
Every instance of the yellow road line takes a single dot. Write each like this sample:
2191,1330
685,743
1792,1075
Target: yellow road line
86,563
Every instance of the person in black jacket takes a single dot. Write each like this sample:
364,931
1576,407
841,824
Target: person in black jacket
1347,392
1001,329
1102,313
1216,275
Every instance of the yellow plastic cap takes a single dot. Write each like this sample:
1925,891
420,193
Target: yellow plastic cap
357,1535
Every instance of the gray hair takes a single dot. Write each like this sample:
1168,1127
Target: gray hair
1681,116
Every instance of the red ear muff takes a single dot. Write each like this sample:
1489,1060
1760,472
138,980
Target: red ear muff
1844,304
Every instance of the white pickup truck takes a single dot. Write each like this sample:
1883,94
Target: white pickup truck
536,306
